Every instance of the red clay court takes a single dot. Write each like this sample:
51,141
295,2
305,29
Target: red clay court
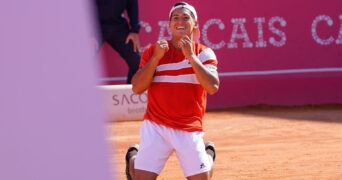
260,142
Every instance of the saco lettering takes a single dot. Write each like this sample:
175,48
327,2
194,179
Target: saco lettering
129,99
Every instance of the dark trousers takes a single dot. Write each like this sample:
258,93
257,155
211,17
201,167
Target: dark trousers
116,39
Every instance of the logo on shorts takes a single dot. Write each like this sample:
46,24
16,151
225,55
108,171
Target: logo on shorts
202,166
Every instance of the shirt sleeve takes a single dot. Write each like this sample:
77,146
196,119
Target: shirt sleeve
133,14
146,56
208,58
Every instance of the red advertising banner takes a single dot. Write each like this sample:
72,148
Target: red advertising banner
269,51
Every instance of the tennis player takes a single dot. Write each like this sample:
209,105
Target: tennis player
177,74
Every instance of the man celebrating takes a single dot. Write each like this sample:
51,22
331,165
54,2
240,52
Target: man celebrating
178,74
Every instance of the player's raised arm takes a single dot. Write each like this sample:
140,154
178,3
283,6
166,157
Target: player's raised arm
143,78
208,79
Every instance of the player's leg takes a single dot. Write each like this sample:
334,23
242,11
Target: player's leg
129,158
144,175
136,174
131,172
192,153
152,154
201,176
210,149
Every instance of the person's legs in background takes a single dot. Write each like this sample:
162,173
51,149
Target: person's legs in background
126,51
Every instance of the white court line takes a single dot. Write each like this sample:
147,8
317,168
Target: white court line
253,73
281,71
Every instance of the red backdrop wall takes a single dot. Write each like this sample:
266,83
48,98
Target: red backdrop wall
277,52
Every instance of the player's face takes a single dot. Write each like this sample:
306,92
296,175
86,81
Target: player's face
182,23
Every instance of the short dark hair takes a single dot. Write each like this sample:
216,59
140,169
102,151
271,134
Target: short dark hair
182,3
179,3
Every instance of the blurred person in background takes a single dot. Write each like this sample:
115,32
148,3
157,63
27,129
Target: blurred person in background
119,26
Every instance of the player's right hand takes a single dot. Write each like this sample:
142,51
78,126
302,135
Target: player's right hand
161,47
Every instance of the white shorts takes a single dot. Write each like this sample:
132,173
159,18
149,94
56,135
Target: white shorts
157,142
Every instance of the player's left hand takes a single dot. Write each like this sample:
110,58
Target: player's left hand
185,44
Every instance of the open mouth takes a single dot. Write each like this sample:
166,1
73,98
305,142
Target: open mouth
180,28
